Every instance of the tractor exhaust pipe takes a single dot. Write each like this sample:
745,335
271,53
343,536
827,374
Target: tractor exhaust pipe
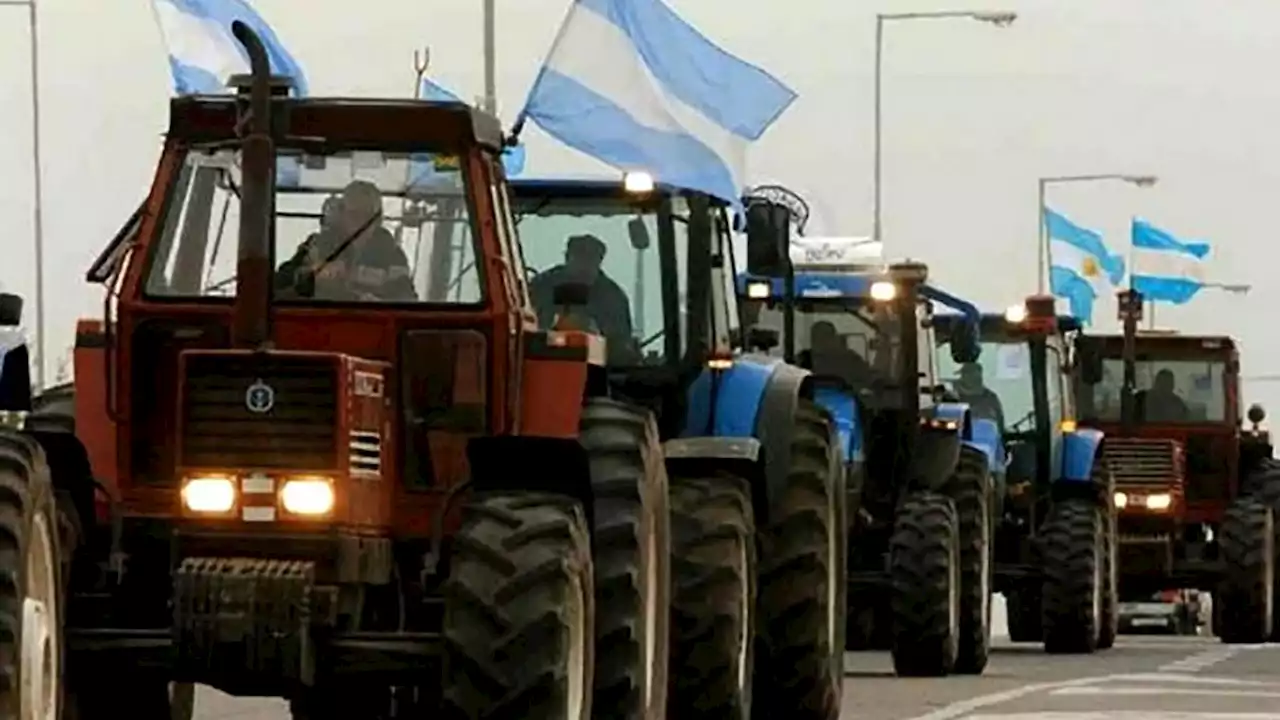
251,323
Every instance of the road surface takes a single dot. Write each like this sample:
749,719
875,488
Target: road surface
1142,678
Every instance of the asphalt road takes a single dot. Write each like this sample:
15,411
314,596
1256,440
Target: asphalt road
1142,678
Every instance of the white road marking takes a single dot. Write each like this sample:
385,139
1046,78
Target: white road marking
1128,715
1164,691
962,708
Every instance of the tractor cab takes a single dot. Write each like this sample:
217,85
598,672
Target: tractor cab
651,258
1184,422
1019,381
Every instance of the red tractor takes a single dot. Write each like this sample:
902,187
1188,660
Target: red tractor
257,480
1195,492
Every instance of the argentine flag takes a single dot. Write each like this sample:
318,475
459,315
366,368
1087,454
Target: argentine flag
1081,268
203,54
1166,269
632,84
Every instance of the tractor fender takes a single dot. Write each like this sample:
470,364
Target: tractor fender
15,371
757,397
985,436
703,456
559,466
843,407
1079,451
934,458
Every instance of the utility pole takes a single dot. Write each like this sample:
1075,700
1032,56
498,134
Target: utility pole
37,185
490,58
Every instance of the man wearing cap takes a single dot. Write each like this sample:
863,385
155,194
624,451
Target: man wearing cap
352,257
607,304
983,401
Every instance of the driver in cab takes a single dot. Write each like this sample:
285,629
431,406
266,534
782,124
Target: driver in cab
607,303
352,256
983,401
829,356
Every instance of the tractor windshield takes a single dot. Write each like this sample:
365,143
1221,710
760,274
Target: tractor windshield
350,226
846,338
998,386
610,242
1168,391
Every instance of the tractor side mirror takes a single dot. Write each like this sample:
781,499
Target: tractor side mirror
10,310
762,339
965,347
1256,414
768,239
639,234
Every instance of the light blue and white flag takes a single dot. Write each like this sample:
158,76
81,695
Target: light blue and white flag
1081,267
630,83
1166,269
203,54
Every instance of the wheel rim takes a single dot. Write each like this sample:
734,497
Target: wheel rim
985,578
744,623
40,661
953,592
1097,590
833,574
576,612
1269,572
651,610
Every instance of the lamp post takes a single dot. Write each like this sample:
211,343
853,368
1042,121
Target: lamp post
1042,266
999,19
37,189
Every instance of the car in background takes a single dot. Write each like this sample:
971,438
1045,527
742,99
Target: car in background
1174,612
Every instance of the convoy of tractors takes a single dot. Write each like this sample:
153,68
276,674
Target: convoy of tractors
474,493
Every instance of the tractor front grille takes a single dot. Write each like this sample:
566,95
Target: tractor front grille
295,431
1144,462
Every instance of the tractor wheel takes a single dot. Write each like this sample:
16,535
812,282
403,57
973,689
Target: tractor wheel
1074,569
925,582
31,601
1246,544
713,554
970,488
519,610
799,665
632,555
1109,623
1022,606
1263,484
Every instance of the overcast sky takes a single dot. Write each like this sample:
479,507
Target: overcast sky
974,115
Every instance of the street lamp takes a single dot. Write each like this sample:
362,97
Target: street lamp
1142,181
997,18
36,184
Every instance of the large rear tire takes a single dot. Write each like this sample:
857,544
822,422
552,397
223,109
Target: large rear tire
1073,577
799,663
31,598
632,560
970,488
924,574
1109,623
713,553
518,611
1246,544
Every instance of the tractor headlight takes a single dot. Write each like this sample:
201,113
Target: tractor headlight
1016,314
1121,500
638,183
307,496
209,494
758,289
883,291
1159,501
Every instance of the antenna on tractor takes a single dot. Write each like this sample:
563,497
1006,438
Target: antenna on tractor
251,327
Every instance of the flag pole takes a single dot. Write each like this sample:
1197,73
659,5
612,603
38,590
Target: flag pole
37,188
490,58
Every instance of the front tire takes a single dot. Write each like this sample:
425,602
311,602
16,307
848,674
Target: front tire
1246,543
801,608
713,553
924,573
970,488
632,560
518,610
31,599
1073,577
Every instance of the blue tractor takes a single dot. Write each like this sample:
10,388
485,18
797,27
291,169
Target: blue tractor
753,479
920,465
1055,549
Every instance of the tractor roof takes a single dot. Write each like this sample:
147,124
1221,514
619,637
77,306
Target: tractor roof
995,324
376,124
1164,343
583,187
